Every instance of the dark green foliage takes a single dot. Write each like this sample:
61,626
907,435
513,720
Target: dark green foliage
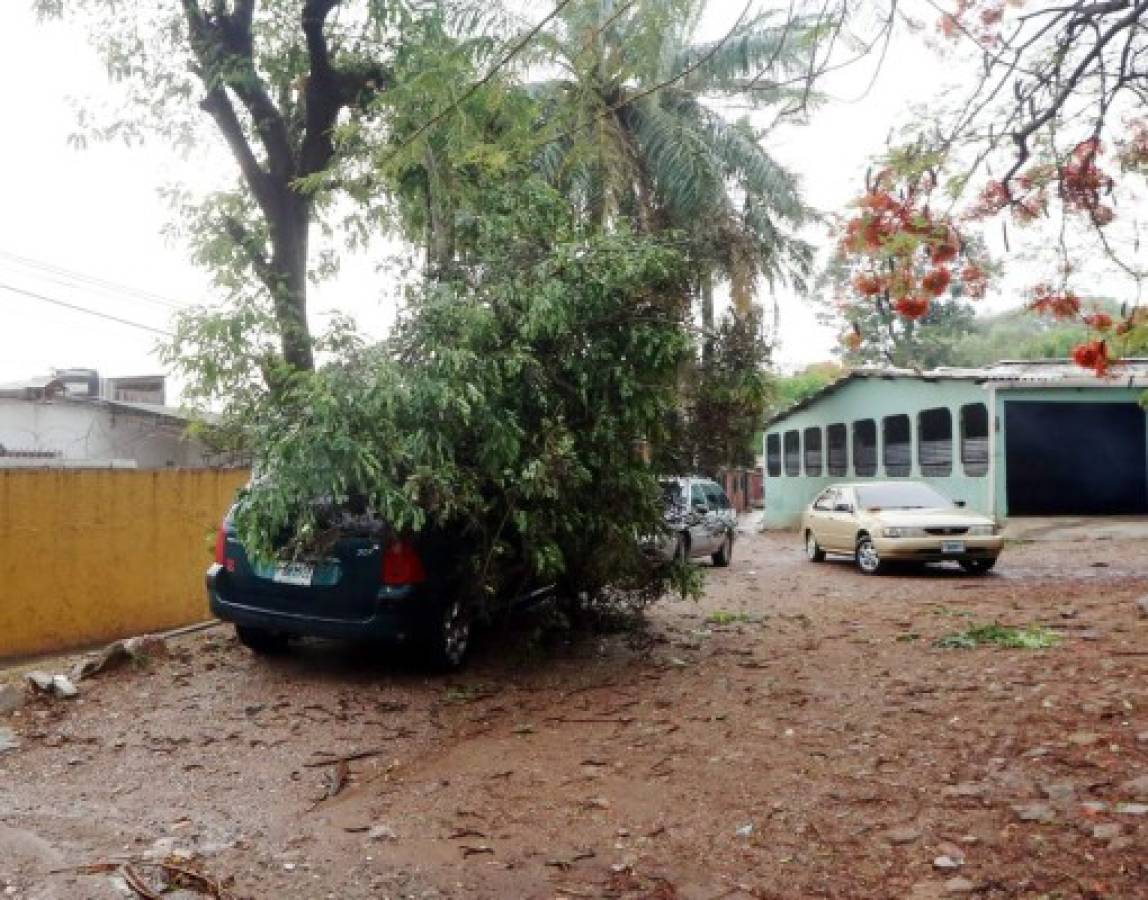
724,396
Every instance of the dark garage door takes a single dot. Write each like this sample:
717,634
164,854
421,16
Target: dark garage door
1075,459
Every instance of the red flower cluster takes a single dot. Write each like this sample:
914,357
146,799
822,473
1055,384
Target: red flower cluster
979,18
912,307
993,198
1026,198
868,283
975,280
1083,183
1094,356
1065,305
1099,321
902,251
936,281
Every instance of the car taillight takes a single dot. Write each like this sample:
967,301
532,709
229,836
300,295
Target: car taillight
402,565
221,549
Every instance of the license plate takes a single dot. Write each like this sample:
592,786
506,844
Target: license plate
294,573
952,546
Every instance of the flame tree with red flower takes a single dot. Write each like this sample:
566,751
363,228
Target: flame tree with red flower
903,262
1052,138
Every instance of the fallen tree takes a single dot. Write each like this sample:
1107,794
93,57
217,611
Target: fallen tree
504,408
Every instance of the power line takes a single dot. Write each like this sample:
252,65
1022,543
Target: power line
83,309
86,280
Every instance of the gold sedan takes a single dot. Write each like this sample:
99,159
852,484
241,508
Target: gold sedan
878,522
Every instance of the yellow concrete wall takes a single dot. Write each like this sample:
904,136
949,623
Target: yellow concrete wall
92,555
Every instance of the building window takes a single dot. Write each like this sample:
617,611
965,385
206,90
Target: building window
898,440
792,453
773,455
865,448
975,438
813,451
935,441
837,438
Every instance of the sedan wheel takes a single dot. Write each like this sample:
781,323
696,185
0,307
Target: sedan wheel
977,566
812,550
450,639
868,559
725,554
262,641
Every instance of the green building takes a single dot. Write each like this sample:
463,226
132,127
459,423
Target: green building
1015,439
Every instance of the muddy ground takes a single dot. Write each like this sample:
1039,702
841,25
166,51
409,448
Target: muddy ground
795,734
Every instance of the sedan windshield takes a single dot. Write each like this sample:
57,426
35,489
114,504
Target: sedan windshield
672,493
901,495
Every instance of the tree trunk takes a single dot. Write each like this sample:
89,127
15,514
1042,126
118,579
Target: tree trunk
286,279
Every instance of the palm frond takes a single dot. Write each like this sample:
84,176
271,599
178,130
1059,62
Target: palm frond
686,174
759,49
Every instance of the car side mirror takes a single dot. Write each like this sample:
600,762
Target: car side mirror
843,508
701,508
962,504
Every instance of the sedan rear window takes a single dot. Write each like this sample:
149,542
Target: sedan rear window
906,495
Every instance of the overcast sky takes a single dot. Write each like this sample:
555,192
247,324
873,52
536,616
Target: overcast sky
85,226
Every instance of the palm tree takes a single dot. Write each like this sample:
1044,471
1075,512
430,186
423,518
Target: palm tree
638,104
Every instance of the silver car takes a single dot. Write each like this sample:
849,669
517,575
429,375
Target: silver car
700,519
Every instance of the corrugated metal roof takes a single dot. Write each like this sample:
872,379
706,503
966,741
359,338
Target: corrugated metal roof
1004,374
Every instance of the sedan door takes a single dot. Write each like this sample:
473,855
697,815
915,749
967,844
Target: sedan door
818,516
841,521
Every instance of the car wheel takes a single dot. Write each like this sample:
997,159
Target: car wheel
978,566
868,559
723,557
261,640
813,550
450,636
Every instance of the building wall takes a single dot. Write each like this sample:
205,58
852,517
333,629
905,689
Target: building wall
874,398
78,430
89,556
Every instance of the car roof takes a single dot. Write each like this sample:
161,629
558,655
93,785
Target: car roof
860,484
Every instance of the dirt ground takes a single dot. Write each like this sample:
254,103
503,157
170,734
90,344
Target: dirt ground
795,734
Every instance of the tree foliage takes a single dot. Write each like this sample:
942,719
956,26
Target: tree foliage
724,395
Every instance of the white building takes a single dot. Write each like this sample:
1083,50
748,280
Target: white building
76,419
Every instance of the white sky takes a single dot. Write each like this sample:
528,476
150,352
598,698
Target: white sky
96,212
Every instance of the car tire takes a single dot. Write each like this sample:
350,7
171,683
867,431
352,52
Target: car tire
978,566
868,559
813,551
261,640
449,637
724,556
